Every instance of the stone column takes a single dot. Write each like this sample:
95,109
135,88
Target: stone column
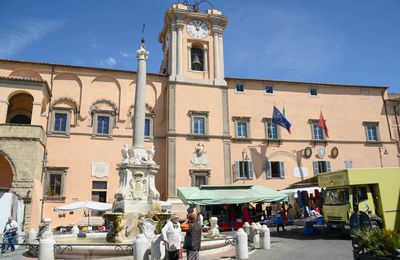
140,97
3,110
179,68
216,56
173,50
221,56
189,58
205,59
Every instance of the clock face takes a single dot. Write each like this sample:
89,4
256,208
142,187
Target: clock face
197,29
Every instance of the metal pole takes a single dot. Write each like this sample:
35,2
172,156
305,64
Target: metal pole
380,156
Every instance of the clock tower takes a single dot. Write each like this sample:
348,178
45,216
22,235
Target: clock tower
193,46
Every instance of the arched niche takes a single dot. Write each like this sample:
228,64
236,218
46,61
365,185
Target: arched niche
67,103
102,105
106,86
20,108
149,110
26,74
68,85
151,91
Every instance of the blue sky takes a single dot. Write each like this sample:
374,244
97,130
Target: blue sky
350,42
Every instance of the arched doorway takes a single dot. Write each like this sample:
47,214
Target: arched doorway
20,109
6,173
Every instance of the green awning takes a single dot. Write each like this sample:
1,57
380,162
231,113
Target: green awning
229,194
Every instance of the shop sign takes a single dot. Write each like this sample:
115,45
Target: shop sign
333,179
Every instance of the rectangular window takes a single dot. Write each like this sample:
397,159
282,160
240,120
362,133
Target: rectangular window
198,125
239,88
99,185
99,196
372,133
313,92
199,177
269,90
54,185
275,169
60,122
241,129
272,129
317,132
147,127
321,166
348,164
244,170
199,180
103,125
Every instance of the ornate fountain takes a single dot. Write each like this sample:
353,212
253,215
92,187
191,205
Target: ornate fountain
137,199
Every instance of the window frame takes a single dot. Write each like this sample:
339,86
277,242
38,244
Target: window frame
316,167
267,123
245,120
313,136
240,84
199,173
149,117
249,169
268,169
65,111
49,171
199,114
376,126
111,123
348,164
266,90
310,89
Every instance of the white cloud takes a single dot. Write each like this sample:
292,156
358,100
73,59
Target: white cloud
126,55
17,37
109,62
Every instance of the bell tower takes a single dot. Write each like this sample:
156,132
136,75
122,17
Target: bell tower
192,43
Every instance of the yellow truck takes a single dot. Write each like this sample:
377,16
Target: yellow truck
374,191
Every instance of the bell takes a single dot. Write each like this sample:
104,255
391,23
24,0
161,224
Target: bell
196,61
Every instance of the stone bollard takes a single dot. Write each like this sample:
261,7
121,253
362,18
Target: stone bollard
157,248
256,235
241,247
75,230
265,237
141,248
32,234
46,248
246,228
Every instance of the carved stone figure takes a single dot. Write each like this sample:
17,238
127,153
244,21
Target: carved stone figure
199,157
125,154
138,186
213,232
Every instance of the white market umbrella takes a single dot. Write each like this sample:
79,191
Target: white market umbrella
85,205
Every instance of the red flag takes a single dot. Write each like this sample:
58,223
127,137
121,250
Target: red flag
322,124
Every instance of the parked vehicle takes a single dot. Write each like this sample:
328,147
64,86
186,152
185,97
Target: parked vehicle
373,191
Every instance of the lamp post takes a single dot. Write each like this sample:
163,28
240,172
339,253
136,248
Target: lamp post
244,157
385,152
44,169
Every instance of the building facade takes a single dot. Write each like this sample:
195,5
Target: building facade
62,127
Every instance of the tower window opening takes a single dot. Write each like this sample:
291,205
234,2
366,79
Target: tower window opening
197,59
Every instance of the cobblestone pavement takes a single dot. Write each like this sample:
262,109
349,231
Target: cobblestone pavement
293,245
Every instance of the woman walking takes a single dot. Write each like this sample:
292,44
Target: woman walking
192,241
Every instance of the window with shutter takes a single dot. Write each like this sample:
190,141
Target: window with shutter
237,170
315,168
328,166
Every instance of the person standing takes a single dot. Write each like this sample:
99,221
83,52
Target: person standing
171,233
192,242
10,235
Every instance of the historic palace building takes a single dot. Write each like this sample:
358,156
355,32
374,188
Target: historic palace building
62,127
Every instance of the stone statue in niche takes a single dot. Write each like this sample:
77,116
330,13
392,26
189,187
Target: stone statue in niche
199,157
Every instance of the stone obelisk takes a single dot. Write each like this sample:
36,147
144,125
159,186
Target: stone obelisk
140,92
137,197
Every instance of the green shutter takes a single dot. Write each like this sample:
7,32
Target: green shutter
268,169
250,168
282,170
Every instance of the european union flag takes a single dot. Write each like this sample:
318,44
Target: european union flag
279,119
